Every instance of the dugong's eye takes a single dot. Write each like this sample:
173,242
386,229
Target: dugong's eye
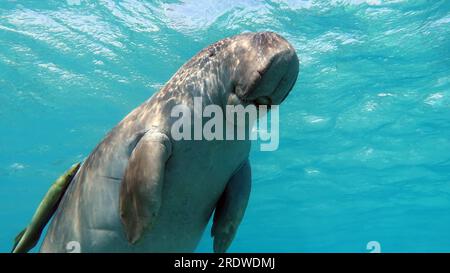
238,91
233,88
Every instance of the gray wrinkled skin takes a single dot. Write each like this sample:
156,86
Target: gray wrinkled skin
248,68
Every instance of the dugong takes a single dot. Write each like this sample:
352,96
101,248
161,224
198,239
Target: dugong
142,191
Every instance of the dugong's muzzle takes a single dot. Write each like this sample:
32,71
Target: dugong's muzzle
268,69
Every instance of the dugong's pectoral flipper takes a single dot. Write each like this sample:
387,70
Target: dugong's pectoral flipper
230,208
141,188
28,238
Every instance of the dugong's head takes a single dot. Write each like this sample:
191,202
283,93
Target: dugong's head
264,69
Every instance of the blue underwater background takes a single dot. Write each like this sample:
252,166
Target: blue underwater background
365,134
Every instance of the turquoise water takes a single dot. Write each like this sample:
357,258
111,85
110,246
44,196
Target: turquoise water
365,134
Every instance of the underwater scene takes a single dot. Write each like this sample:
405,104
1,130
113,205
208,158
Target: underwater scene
363,156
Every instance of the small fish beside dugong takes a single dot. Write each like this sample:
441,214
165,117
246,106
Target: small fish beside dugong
142,191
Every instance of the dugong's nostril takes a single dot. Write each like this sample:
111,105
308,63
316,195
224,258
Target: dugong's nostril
263,70
260,73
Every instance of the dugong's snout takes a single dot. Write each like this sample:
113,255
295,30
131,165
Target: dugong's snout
267,69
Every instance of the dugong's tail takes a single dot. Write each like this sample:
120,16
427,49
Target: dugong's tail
28,238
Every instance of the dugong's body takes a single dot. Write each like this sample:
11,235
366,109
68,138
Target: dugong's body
142,191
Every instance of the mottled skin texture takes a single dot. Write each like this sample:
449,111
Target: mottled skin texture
141,191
